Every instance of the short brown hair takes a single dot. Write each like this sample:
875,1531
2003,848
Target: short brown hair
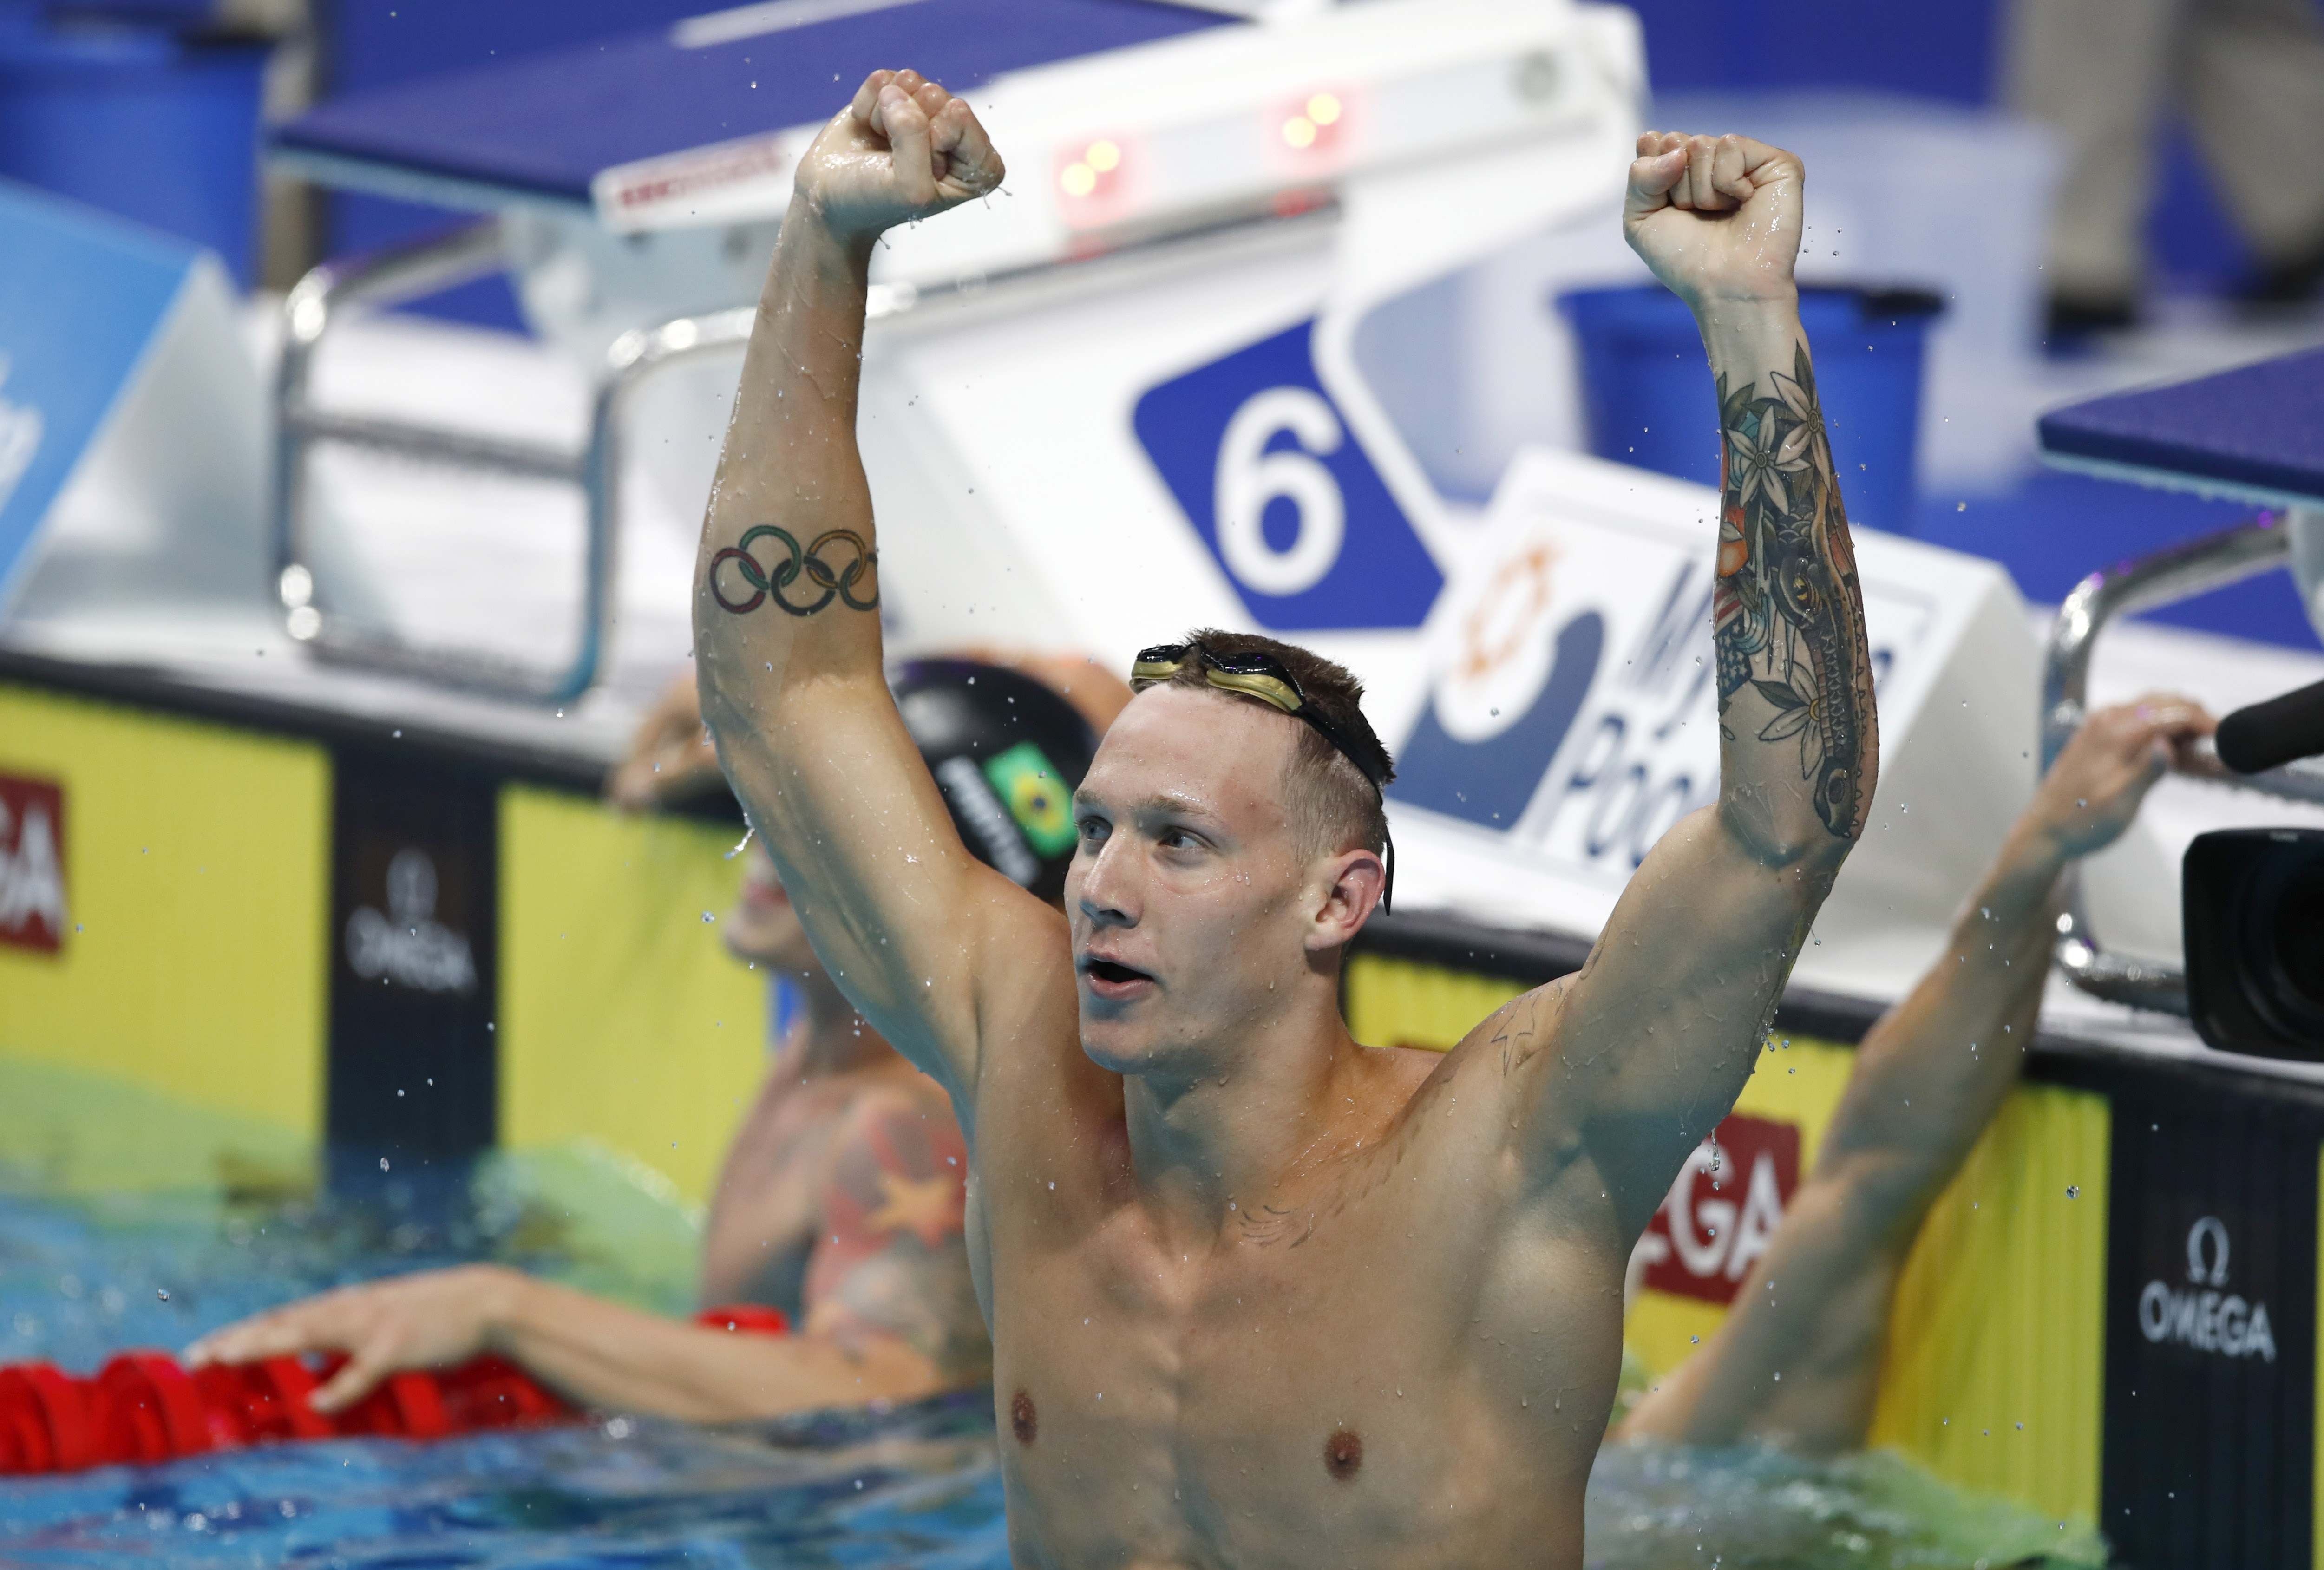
1334,808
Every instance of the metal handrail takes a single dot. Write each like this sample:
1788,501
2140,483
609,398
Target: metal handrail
325,296
2180,572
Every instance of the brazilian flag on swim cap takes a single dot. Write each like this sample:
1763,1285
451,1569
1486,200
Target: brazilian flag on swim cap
1007,750
1037,796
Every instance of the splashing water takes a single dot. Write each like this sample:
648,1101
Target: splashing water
1653,1506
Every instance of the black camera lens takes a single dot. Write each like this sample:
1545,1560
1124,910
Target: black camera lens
2255,923
2287,916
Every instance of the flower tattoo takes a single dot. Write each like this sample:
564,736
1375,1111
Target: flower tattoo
1787,625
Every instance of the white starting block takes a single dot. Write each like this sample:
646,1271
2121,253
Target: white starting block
1233,171
1571,718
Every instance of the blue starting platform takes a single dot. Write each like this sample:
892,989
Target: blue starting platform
2254,433
545,127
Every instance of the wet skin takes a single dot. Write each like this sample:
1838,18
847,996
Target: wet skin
1403,1341
1195,1402
1261,1296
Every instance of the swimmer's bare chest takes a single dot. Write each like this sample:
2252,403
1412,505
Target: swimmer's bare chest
1402,1372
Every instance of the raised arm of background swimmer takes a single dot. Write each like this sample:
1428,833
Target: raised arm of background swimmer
786,618
1659,1029
1798,1359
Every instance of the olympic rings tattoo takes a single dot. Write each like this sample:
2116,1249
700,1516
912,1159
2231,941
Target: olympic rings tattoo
837,583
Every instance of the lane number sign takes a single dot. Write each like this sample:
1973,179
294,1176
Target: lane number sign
1280,492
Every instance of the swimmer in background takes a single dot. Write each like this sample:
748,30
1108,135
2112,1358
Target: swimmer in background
841,1197
1797,1363
1261,1295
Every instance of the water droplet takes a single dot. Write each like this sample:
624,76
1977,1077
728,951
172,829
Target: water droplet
162,1293
2074,1191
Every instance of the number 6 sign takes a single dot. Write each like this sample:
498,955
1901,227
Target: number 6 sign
1250,477
1292,510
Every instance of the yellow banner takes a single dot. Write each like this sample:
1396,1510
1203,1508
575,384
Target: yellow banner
194,872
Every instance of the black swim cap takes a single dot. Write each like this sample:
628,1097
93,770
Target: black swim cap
1007,750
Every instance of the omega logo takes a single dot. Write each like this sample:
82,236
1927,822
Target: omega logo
408,945
2202,1317
2210,1228
1723,1209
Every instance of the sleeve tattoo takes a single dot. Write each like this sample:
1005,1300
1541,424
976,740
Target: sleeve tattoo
1787,619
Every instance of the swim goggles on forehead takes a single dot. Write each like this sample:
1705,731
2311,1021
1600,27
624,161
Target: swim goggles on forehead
1256,673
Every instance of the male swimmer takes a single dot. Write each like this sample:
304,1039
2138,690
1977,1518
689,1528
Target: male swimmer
841,1198
1797,1361
1259,1295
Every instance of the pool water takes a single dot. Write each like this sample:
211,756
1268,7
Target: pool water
1654,1506
918,1486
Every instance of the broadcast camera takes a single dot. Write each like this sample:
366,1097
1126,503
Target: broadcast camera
2253,901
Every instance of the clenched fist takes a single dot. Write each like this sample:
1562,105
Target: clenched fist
1717,217
905,149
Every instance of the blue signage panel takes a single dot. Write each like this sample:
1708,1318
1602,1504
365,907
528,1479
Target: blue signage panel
82,296
1275,483
1490,781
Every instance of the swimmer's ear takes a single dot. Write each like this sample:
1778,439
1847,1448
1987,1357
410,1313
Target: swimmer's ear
1358,877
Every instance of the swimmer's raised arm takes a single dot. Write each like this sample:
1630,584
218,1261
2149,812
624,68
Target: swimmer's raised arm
786,618
1798,1359
1658,1031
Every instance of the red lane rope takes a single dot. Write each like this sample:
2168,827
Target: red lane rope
143,1407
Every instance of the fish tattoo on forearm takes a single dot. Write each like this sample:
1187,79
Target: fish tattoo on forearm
1787,615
